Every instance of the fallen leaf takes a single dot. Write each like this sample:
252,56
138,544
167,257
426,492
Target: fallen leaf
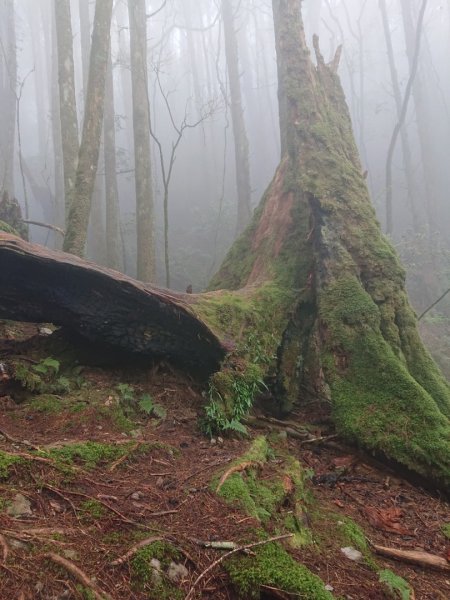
387,520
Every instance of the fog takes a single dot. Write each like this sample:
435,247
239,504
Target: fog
189,91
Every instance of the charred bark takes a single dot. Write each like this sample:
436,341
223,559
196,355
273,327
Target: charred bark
43,286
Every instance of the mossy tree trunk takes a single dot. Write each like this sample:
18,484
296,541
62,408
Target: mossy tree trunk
347,334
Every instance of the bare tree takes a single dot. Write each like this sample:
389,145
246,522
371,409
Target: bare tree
81,194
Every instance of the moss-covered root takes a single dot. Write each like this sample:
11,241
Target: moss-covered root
272,566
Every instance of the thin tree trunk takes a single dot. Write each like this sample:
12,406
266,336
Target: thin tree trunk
85,40
9,102
141,128
112,194
81,196
67,97
241,148
406,151
425,130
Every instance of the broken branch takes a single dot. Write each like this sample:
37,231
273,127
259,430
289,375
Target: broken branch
416,557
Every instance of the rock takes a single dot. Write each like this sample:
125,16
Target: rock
329,588
177,572
17,544
213,441
45,331
220,441
155,565
137,495
352,554
160,482
20,507
70,554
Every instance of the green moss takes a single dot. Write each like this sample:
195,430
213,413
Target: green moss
46,403
88,454
446,530
396,585
384,409
142,572
6,462
273,566
93,509
8,229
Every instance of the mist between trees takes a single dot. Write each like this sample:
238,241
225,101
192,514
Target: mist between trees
188,137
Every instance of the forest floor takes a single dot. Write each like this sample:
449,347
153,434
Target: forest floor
85,476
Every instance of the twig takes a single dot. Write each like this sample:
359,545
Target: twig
132,551
423,559
5,547
319,439
228,554
79,575
211,466
236,469
433,305
46,225
123,458
14,440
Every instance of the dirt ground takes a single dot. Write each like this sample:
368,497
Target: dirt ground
90,512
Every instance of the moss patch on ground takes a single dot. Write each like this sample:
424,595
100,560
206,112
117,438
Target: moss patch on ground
155,582
273,566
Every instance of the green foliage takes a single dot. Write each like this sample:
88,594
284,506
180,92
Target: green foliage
6,462
85,593
231,395
397,586
8,229
273,566
130,403
47,367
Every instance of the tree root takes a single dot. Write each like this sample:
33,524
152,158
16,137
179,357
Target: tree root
236,469
416,557
132,551
79,575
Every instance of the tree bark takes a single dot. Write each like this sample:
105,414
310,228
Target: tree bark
349,343
81,193
9,98
241,150
113,254
141,128
67,97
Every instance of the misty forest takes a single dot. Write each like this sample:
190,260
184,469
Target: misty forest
224,299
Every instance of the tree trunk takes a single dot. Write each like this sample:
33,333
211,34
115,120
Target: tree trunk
9,98
113,253
67,97
406,150
315,253
81,193
141,127
424,121
241,151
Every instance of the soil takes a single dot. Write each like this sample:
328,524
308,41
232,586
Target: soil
92,515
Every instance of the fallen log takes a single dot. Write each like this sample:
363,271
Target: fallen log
40,285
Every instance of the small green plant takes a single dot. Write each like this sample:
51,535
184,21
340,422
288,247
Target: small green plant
6,462
93,509
149,407
47,367
231,396
446,530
